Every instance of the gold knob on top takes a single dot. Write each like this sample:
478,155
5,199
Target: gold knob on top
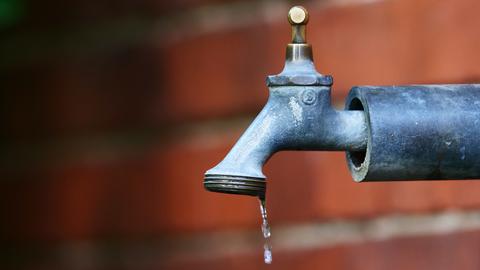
297,15
298,18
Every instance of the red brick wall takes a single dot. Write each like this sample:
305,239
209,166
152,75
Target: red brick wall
112,111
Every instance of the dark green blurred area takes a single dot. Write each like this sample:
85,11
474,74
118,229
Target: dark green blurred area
11,12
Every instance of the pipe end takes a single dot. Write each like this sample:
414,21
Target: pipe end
359,161
235,184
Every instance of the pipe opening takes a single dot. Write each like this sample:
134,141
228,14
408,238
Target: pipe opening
357,157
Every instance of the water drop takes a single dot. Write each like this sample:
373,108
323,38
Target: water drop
265,226
267,254
266,230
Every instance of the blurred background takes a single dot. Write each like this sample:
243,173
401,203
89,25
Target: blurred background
111,111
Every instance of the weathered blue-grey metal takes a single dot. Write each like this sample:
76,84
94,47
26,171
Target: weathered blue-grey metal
297,116
389,133
417,132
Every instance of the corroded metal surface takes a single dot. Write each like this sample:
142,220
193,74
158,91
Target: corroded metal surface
297,116
418,132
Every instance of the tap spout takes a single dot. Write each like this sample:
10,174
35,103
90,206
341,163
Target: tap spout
294,118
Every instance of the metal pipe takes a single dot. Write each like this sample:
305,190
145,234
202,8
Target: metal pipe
418,132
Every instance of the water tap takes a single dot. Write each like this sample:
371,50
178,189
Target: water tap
411,132
298,116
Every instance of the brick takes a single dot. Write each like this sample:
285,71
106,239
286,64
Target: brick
454,251
337,196
457,250
157,189
231,78
221,73
184,199
153,192
303,186
81,97
384,43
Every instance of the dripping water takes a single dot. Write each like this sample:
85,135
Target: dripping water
267,254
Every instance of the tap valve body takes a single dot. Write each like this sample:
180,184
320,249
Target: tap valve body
297,116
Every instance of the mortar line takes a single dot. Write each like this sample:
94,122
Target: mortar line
208,246
332,233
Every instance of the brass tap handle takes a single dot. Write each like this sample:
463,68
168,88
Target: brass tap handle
298,19
299,69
